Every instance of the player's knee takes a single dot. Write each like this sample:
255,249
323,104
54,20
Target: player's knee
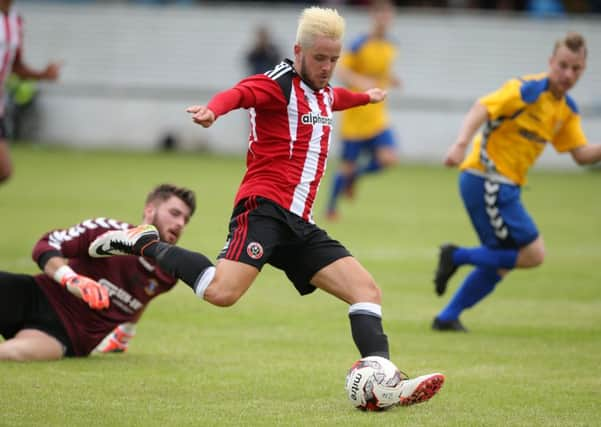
220,297
370,292
537,257
387,158
13,353
389,161
533,258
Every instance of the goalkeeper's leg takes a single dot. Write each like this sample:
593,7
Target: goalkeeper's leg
31,344
22,302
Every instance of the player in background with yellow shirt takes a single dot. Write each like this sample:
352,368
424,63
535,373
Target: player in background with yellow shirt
368,63
519,119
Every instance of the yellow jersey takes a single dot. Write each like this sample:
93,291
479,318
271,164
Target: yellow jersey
370,57
523,116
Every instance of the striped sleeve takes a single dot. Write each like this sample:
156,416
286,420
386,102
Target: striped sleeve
74,241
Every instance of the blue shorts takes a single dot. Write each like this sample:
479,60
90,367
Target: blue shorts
351,149
497,212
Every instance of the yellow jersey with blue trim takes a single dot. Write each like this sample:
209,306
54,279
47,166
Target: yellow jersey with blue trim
373,58
523,117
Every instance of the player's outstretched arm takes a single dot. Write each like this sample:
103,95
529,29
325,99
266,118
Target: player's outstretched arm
475,118
90,291
376,95
202,115
587,154
353,79
24,71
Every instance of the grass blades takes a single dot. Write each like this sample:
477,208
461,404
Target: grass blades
278,359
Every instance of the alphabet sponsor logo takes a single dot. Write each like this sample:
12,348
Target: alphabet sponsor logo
314,119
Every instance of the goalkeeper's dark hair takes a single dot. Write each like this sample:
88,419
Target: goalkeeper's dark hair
163,192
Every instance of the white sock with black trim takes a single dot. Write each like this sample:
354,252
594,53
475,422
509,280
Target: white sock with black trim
203,281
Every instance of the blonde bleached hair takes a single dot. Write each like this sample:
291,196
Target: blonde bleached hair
316,21
573,41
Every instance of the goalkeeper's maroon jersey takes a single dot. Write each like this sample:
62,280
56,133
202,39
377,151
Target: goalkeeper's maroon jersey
131,281
290,133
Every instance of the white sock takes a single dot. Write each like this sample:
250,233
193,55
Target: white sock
203,281
366,308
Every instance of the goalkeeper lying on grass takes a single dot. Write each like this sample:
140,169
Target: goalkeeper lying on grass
82,303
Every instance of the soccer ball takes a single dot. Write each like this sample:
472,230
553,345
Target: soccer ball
372,384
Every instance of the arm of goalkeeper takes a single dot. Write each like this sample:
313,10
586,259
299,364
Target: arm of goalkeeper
90,291
118,340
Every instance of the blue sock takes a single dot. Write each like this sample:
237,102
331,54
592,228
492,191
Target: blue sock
371,167
486,257
340,182
479,283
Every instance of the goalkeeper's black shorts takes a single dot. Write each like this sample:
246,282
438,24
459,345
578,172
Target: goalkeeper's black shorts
262,232
23,305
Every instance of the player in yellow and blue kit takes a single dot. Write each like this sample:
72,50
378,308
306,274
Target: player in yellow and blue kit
368,63
519,119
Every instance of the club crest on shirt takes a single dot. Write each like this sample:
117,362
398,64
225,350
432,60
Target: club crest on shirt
254,250
151,288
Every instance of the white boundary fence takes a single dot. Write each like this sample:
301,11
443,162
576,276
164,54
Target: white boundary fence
130,71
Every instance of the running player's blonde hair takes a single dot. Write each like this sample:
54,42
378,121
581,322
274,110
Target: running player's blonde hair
573,41
316,21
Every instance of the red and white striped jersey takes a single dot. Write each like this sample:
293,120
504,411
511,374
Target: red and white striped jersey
11,39
290,133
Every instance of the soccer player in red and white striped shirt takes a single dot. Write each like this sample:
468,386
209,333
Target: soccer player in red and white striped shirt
290,110
11,60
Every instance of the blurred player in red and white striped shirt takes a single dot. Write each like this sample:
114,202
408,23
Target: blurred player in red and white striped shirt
11,61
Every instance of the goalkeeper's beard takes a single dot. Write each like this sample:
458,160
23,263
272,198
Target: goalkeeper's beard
156,224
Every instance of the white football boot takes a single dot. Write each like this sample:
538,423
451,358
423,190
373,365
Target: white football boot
420,389
123,242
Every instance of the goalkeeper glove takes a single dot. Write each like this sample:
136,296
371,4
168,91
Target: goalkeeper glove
90,291
117,341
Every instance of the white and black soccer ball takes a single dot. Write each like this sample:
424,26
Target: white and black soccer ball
372,383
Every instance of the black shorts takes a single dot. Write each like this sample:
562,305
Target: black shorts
23,305
262,232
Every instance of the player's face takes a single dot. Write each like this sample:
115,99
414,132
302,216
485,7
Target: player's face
316,63
565,68
170,217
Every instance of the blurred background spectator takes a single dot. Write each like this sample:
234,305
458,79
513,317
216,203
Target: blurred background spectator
20,114
263,54
157,57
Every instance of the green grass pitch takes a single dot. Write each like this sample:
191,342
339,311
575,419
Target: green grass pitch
532,358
